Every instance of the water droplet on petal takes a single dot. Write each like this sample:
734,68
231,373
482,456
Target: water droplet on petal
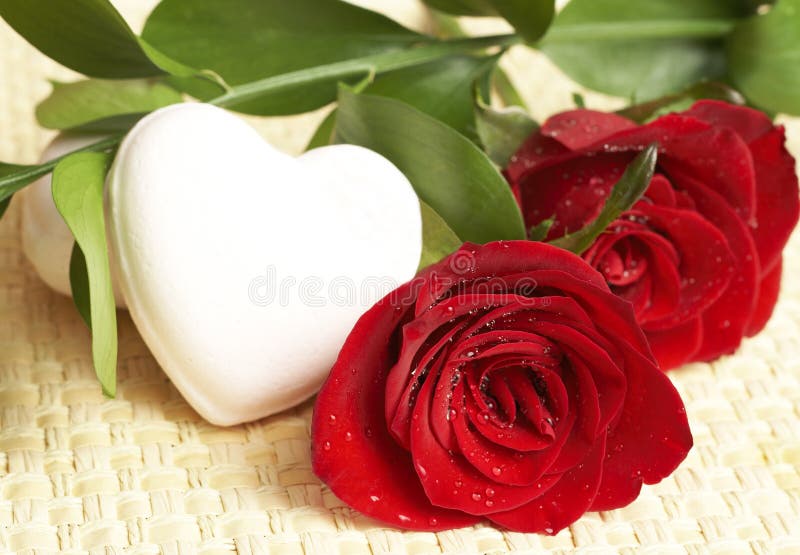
327,445
497,471
476,496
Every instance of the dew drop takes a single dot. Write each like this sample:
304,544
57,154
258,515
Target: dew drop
548,530
433,521
374,498
497,471
403,518
348,436
489,503
459,483
327,445
332,418
476,496
489,492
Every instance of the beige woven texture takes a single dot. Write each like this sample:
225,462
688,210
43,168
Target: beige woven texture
142,473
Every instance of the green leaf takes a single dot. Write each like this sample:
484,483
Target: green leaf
89,36
645,48
464,7
106,105
441,89
447,170
502,130
79,284
438,240
764,58
249,40
646,111
626,192
539,231
529,17
78,194
4,205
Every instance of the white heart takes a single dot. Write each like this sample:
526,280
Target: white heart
205,218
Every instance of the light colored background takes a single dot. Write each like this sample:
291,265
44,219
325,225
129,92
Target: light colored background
143,474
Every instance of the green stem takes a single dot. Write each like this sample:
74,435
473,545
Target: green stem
362,66
31,173
639,30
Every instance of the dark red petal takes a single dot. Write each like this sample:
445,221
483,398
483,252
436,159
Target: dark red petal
579,129
724,322
777,196
749,123
536,152
572,192
717,157
649,440
500,259
448,480
563,503
706,262
357,436
768,291
675,346
660,192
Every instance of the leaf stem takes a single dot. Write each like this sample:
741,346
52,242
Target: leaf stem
22,178
362,66
703,29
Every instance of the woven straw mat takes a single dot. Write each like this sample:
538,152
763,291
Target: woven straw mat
143,473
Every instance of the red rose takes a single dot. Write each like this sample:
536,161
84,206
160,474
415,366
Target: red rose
506,382
699,256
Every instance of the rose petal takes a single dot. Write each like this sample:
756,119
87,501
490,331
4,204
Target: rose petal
534,153
717,157
449,481
577,129
724,321
777,196
649,440
706,261
675,346
563,503
749,123
768,292
357,437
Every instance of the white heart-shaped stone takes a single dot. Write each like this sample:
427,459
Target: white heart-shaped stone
243,268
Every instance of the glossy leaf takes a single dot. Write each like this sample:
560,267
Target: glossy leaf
438,240
764,58
78,194
102,105
89,36
646,111
447,170
529,17
502,130
630,187
442,89
246,40
641,49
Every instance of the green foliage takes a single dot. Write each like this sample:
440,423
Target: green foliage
447,170
78,194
